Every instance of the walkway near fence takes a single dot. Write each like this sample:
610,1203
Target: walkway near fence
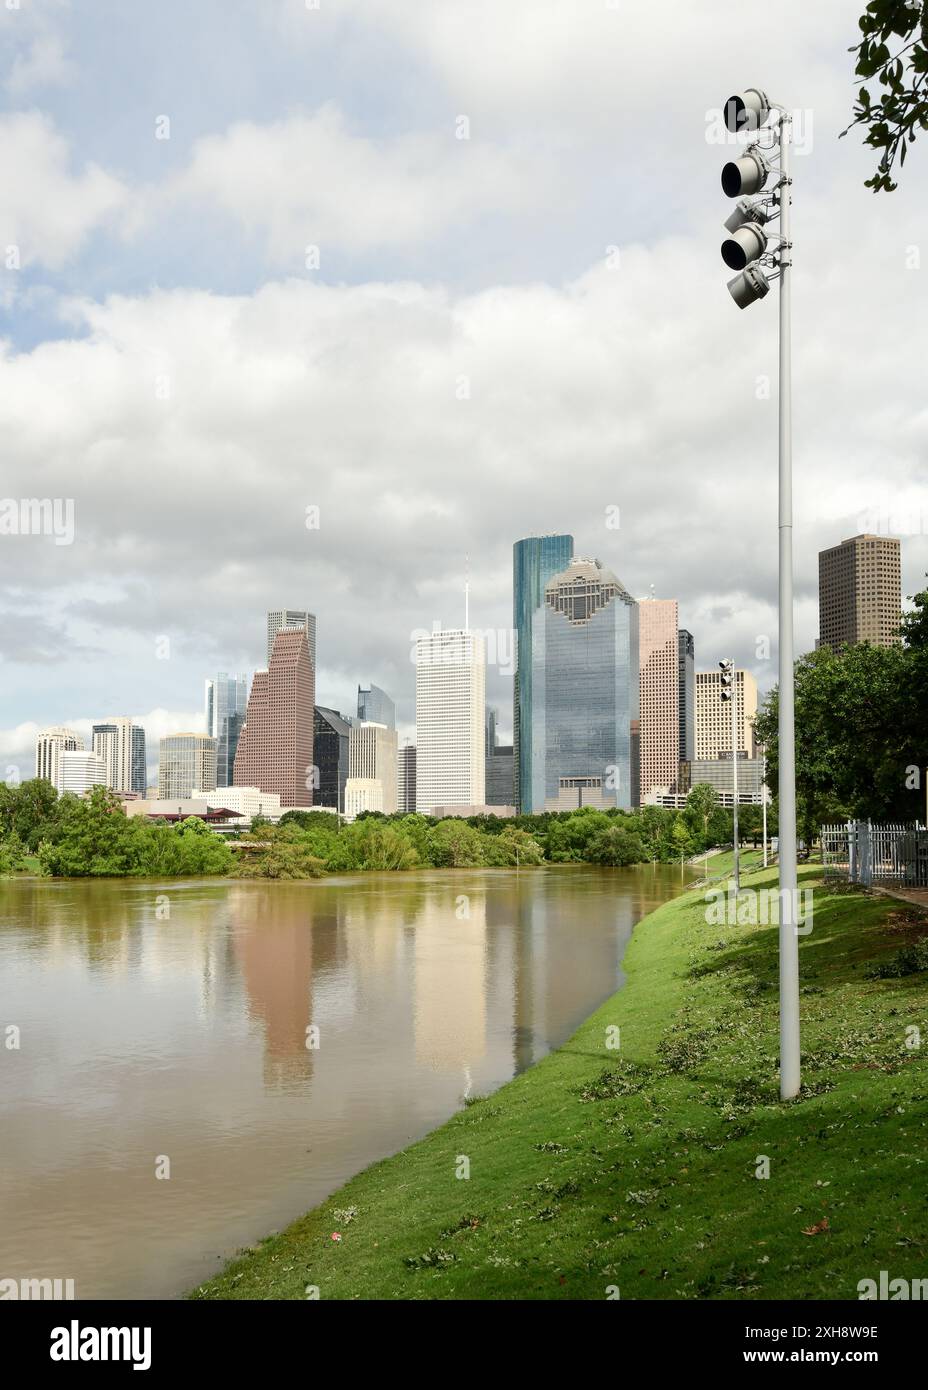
868,854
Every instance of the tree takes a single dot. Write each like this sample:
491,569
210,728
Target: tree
455,844
701,804
284,855
512,846
892,118
11,855
617,847
28,810
861,729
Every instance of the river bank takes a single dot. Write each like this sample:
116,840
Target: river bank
270,1039
667,1168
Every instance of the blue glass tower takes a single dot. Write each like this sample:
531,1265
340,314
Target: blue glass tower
585,693
535,560
226,702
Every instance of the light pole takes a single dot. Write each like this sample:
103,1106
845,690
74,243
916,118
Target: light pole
751,250
763,793
729,689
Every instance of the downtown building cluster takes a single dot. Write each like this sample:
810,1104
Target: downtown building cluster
608,710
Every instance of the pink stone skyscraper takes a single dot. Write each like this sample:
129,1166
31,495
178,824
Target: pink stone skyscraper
275,747
659,666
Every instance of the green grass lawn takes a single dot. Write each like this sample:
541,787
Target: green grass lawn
635,1169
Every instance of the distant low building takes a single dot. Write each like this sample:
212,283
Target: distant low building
363,794
464,812
79,772
245,801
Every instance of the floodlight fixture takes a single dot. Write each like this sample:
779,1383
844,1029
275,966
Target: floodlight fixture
746,210
745,175
746,245
747,110
751,285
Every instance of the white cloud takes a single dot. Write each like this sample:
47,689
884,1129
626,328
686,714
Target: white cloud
47,210
309,181
44,64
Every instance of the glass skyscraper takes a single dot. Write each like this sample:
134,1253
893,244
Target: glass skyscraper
330,749
535,560
376,707
226,702
585,693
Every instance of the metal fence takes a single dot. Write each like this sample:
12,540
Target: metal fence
865,853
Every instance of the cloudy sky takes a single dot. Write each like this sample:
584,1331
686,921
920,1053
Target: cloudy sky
448,271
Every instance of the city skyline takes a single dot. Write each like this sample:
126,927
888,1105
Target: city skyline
249,494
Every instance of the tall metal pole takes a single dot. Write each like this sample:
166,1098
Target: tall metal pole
763,797
734,775
789,896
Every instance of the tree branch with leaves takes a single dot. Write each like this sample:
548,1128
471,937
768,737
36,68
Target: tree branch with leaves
892,117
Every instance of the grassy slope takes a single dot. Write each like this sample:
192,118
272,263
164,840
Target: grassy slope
652,1186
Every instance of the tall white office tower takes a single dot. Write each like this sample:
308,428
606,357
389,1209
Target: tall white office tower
450,719
49,745
121,745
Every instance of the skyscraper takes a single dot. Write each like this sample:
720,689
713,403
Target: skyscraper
535,560
375,706
713,715
331,733
292,617
185,762
585,692
372,757
450,714
121,745
860,592
406,779
49,745
226,702
687,662
275,747
659,664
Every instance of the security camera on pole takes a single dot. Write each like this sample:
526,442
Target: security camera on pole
761,255
727,668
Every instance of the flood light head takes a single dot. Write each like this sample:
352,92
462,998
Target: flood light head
747,245
751,285
746,211
747,110
745,175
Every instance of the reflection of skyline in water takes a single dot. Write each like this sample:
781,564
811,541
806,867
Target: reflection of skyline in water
185,1034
